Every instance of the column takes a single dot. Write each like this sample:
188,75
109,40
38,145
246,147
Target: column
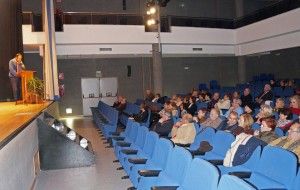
157,69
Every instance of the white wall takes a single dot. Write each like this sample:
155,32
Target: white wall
279,32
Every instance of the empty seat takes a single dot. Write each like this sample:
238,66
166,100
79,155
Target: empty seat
228,182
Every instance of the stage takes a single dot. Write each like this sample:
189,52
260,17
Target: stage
13,118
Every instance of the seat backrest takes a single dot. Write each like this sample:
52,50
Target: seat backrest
229,182
296,181
141,136
161,151
222,142
197,176
150,143
278,164
133,132
254,158
177,164
206,134
279,132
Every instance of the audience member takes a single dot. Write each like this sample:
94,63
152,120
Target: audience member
232,122
284,116
265,112
272,83
192,108
185,132
266,132
156,98
223,104
235,95
149,96
214,100
201,116
245,123
142,116
282,84
279,104
291,142
182,110
247,98
117,102
266,95
295,104
122,105
164,125
235,106
214,119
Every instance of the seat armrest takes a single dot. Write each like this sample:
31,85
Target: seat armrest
118,138
149,173
114,133
129,151
164,188
137,160
183,145
123,144
197,153
216,162
241,174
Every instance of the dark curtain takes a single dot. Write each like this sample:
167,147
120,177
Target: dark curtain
11,41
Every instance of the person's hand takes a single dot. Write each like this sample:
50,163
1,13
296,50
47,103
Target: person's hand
131,118
256,132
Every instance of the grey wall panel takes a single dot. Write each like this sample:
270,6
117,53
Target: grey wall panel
201,69
16,160
131,87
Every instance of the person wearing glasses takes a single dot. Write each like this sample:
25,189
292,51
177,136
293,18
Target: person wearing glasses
290,142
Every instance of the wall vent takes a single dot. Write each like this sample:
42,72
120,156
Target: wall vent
105,49
197,49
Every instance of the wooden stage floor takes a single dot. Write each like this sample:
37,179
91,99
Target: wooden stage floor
15,117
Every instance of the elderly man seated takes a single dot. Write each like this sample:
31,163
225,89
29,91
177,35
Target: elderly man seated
184,132
292,141
235,106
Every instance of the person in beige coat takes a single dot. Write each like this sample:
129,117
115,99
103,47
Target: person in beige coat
184,132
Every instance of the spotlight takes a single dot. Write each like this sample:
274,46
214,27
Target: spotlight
151,22
152,10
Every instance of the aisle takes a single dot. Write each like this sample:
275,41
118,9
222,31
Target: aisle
102,176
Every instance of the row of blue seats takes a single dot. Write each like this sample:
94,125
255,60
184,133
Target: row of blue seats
141,150
105,118
127,112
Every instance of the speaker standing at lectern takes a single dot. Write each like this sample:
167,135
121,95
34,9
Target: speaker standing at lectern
15,67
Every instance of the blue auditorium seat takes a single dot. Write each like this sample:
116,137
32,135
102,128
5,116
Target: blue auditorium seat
173,175
205,134
158,160
228,182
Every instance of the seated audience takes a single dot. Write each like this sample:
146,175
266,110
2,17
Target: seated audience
282,84
235,106
184,132
295,104
265,112
272,83
214,100
192,108
117,102
142,116
182,110
245,123
195,93
223,104
266,95
164,126
149,96
232,122
266,132
283,122
249,110
157,98
121,107
201,116
174,110
246,98
214,119
291,142
235,95
279,104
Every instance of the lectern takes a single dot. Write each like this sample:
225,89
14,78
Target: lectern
25,76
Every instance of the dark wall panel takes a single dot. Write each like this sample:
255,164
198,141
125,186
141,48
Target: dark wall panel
34,62
10,40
